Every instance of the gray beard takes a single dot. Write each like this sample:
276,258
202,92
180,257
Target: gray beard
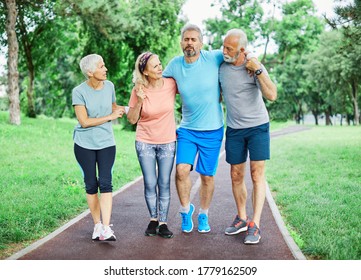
189,53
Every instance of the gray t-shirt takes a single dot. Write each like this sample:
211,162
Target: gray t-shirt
98,103
242,96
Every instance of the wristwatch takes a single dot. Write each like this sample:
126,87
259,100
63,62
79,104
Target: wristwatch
258,71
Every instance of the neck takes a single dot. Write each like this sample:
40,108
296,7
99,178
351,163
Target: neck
155,83
240,60
95,84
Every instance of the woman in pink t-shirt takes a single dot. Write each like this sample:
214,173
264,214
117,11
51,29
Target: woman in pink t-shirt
151,106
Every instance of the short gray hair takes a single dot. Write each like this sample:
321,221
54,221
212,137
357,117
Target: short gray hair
89,63
243,41
192,27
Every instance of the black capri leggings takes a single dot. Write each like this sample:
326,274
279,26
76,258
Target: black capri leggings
88,160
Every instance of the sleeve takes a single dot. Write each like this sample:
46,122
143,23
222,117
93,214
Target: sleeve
113,93
168,71
77,97
219,56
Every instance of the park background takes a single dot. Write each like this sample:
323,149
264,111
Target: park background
314,60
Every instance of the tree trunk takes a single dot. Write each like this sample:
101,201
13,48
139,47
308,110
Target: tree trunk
30,112
13,73
356,113
328,116
315,115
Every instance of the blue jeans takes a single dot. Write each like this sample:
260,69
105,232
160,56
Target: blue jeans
150,157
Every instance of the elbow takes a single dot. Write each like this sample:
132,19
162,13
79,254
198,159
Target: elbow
132,120
84,124
273,97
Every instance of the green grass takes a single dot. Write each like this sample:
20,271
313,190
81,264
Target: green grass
316,176
41,183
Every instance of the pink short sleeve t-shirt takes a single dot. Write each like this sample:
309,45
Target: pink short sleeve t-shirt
156,124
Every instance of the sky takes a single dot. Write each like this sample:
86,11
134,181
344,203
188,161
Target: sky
198,10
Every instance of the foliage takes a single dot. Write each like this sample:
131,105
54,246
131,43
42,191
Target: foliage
117,30
245,14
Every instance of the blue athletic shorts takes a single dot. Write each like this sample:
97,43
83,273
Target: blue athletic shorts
206,144
255,140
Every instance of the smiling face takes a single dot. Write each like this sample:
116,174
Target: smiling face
154,68
191,44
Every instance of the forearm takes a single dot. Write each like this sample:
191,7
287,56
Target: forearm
85,121
268,88
89,122
134,113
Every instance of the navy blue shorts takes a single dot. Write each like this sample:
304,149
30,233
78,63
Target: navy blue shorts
206,144
255,140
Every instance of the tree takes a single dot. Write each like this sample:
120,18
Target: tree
13,74
296,34
245,14
348,19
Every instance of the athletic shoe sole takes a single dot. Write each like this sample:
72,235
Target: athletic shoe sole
237,231
249,242
165,236
112,238
204,231
150,234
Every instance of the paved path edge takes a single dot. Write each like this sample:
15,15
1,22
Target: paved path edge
296,251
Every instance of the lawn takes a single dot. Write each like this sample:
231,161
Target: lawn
316,178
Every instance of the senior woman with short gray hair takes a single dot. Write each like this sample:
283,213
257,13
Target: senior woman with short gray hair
94,144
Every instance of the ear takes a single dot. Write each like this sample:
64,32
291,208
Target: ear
90,74
242,49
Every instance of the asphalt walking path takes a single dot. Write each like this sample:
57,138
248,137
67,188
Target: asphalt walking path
130,218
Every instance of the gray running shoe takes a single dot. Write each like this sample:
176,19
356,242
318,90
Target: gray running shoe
237,226
253,234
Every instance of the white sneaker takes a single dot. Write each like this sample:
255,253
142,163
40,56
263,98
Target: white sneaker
107,234
97,231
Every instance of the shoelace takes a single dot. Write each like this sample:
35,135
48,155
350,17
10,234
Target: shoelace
184,218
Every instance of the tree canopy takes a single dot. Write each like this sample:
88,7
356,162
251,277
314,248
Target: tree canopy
315,65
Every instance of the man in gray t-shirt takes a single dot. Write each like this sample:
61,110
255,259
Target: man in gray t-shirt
244,83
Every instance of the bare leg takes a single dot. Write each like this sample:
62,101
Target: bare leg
106,202
259,189
94,206
239,188
183,183
206,191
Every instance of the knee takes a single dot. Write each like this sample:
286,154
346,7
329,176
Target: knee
257,176
105,185
237,176
182,172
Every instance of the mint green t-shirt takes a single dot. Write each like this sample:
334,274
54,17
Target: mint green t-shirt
98,103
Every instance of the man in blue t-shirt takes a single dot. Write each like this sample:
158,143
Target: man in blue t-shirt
201,129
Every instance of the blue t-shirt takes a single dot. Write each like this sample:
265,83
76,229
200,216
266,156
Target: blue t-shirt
199,89
98,103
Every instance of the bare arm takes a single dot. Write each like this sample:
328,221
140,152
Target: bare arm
268,88
134,112
85,121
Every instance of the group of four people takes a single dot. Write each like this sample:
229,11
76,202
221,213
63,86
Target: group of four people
201,78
